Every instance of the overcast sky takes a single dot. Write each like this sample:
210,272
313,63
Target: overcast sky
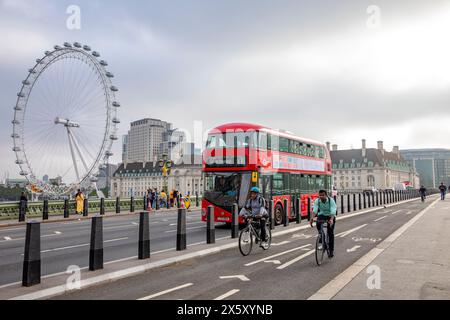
325,70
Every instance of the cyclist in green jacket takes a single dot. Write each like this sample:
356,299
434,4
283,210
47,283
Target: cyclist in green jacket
325,210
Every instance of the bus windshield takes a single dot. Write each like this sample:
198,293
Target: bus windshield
227,188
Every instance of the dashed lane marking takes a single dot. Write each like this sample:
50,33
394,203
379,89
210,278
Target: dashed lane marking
291,262
379,219
276,255
227,295
346,233
166,291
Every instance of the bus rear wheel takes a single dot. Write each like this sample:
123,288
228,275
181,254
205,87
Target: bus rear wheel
278,214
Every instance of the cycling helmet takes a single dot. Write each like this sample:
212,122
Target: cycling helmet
255,189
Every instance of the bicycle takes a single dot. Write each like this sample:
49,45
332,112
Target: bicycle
322,243
252,230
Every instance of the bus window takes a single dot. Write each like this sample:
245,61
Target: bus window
278,184
262,137
284,145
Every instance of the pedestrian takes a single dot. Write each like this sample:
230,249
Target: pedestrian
155,199
443,189
79,198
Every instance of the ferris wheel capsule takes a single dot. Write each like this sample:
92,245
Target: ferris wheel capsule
15,136
96,54
114,89
115,104
109,75
104,63
19,162
26,82
67,45
57,47
86,48
77,45
18,108
23,173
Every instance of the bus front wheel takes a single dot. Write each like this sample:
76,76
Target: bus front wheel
278,215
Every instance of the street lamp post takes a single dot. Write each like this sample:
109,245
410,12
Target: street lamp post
165,165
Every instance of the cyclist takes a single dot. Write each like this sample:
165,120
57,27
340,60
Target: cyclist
423,193
325,211
256,207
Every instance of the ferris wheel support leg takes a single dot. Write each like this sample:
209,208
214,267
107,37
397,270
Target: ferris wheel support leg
78,151
73,154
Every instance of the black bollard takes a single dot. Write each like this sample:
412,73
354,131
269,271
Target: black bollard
210,226
96,249
178,202
168,202
66,208
157,204
235,222
144,236
349,208
309,209
359,201
354,202
145,204
85,207
342,204
117,205
197,200
271,213
102,206
32,259
22,210
132,204
45,210
181,230
286,213
364,200
298,210
373,199
377,200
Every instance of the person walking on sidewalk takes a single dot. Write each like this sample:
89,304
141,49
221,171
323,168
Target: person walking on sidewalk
79,198
423,193
443,189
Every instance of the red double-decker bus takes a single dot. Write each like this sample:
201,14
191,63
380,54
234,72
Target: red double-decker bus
239,156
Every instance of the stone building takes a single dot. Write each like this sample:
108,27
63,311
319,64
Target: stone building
367,168
133,179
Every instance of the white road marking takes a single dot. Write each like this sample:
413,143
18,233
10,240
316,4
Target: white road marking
397,211
58,232
228,294
7,238
276,255
135,223
280,243
240,277
79,246
380,219
302,235
166,291
188,223
287,264
119,227
273,261
353,249
193,228
409,212
346,233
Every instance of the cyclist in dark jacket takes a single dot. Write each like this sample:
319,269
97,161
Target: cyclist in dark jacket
423,193
256,207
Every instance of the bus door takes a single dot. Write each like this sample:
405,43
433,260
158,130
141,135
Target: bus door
266,187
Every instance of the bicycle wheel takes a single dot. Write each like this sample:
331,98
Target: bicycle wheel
245,242
266,245
320,250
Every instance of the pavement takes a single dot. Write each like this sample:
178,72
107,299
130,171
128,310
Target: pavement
205,272
414,266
